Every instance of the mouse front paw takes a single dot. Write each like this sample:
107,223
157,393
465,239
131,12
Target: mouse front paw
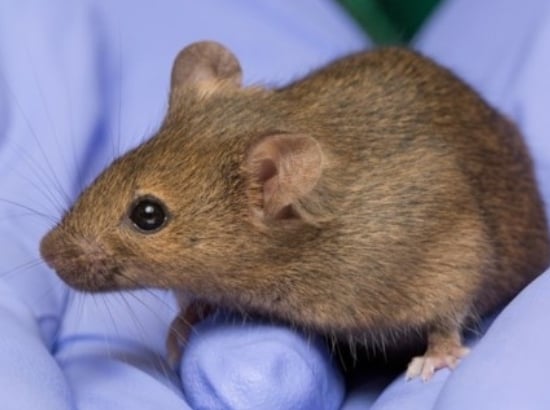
181,328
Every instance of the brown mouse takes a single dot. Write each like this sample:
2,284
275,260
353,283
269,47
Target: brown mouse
376,199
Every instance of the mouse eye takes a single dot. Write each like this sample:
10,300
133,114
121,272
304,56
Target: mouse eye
148,215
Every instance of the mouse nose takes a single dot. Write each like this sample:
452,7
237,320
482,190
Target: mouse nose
79,262
59,248
50,248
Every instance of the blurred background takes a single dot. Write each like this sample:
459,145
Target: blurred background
390,21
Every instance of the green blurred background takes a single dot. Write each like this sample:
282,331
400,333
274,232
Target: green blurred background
390,21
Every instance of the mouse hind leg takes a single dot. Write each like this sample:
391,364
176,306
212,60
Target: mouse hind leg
444,350
456,265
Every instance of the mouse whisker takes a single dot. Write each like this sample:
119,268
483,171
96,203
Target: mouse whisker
29,209
157,360
164,303
149,291
58,185
103,334
44,189
33,164
23,215
24,267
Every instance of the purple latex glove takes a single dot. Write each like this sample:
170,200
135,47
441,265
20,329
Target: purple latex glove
248,359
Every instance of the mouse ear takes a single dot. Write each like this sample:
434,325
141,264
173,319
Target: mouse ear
283,168
205,63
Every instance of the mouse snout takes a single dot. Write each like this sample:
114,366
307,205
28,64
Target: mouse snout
50,248
81,263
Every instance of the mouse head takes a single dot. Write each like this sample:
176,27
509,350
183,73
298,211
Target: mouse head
225,186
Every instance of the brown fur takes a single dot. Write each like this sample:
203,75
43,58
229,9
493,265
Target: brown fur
410,204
